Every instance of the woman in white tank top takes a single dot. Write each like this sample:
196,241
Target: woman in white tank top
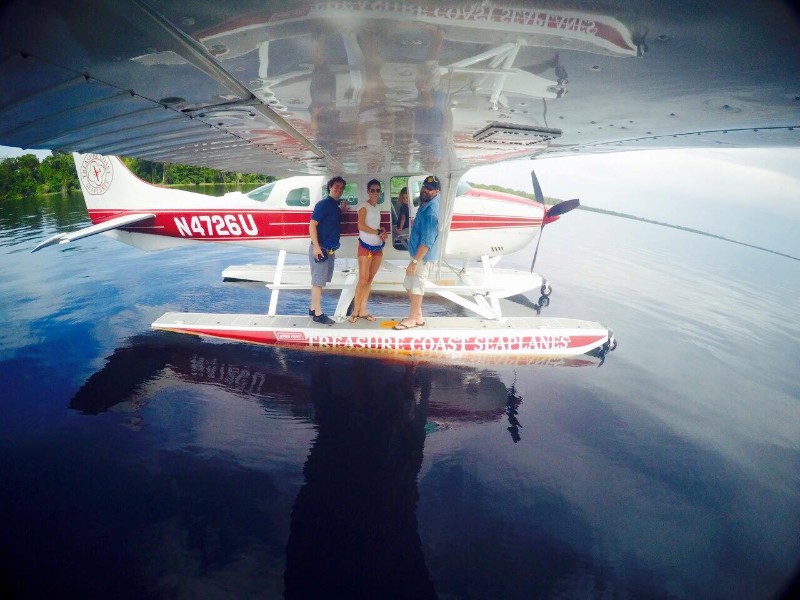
371,238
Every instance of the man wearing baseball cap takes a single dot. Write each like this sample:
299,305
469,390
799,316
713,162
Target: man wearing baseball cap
423,246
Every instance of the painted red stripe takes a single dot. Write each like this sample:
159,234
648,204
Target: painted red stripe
273,224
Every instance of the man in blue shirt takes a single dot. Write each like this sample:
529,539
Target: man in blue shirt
423,246
324,229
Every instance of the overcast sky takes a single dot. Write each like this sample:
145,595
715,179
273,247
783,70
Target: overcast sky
749,195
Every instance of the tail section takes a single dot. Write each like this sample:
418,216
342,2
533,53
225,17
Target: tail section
107,184
135,212
109,188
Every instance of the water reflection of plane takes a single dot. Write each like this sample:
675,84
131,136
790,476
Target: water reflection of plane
353,528
274,376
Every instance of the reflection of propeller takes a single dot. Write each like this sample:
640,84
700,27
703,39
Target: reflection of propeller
551,214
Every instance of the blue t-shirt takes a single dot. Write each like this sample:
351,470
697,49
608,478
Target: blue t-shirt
425,231
328,216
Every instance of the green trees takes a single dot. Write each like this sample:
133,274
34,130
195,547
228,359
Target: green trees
174,174
20,176
58,173
24,176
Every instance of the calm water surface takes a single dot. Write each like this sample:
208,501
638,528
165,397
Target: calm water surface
143,464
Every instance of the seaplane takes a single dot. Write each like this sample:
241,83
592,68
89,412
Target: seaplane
484,224
386,90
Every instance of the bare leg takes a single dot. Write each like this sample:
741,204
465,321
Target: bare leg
372,269
362,288
316,299
415,317
416,308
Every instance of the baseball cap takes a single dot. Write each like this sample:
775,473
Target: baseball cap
432,182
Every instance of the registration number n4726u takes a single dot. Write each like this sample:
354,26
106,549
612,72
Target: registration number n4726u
216,225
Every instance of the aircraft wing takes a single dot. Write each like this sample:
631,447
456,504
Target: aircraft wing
290,87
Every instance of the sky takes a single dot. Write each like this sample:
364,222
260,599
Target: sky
748,195
9,152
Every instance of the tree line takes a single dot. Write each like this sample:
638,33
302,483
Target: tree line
25,176
499,188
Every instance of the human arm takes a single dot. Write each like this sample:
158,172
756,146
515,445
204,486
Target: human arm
422,250
428,224
312,232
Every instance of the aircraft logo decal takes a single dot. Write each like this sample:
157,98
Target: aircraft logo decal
96,174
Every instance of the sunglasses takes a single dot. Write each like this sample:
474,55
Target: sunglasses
375,191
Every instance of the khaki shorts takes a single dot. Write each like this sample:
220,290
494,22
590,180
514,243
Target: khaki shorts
416,284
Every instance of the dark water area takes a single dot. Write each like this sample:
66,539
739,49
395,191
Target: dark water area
145,464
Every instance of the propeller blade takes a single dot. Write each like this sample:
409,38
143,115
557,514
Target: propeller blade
563,207
537,190
535,252
537,193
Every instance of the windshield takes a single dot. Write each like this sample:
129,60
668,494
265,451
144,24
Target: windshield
261,194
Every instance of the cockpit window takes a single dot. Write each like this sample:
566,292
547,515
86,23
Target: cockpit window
462,188
349,195
262,193
299,197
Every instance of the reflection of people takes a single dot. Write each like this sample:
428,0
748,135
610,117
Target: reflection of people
324,229
429,112
423,246
373,122
512,406
371,239
325,116
353,530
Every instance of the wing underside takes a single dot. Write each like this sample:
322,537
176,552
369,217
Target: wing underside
365,87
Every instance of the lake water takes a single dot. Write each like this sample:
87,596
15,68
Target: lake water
144,464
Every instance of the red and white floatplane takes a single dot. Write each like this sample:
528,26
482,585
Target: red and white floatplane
483,224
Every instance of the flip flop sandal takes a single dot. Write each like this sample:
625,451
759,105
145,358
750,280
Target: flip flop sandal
402,326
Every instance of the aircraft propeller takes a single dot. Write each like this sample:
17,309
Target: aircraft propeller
554,211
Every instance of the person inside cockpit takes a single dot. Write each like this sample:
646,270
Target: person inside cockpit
402,213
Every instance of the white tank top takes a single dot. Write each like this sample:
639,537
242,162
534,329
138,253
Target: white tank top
373,219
